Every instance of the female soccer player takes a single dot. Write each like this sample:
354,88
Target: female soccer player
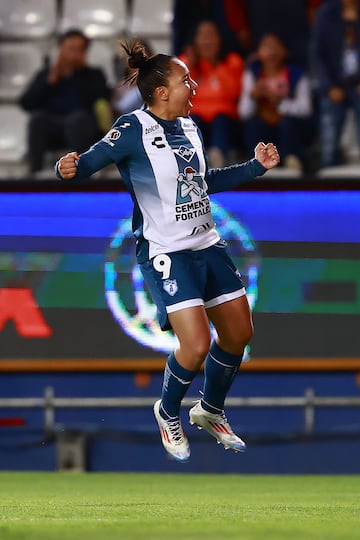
160,155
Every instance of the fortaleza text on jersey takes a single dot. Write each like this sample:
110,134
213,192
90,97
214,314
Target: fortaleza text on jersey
192,210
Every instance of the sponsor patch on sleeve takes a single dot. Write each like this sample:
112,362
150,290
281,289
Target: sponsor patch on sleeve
112,136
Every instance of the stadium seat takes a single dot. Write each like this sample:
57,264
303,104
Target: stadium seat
98,20
161,45
28,19
151,18
101,55
13,147
18,63
350,170
348,143
282,172
13,124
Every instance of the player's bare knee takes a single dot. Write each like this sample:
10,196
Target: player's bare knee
199,349
236,342
195,352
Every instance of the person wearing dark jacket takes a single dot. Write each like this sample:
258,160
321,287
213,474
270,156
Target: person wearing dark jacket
336,59
68,102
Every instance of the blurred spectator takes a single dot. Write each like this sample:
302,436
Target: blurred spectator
219,77
229,15
336,47
275,102
290,20
68,101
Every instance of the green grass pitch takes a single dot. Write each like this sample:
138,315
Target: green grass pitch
64,506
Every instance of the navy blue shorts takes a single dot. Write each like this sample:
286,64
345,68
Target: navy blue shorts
188,278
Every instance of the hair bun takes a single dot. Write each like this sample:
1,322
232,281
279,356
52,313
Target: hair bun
137,59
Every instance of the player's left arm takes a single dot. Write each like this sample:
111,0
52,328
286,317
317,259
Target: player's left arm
228,178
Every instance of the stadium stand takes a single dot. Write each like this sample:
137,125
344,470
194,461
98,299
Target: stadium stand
152,21
28,20
18,63
101,53
13,122
29,31
151,18
97,21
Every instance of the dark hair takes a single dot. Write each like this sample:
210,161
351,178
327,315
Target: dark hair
148,72
74,32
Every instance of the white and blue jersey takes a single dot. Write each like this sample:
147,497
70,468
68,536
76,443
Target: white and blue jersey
164,167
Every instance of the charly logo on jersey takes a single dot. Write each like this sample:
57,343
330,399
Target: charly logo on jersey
170,286
158,142
185,153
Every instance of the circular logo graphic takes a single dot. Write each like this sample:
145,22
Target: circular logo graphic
125,290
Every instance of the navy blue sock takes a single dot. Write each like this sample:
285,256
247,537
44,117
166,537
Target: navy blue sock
220,370
175,385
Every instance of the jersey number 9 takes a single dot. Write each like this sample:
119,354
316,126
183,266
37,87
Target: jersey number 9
162,263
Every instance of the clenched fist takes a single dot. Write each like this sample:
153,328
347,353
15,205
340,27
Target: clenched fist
267,155
68,165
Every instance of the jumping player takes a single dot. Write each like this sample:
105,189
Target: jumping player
160,154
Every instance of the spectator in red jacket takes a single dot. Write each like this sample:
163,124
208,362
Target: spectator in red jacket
219,76
229,15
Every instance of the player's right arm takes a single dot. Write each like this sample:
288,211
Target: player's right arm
73,165
114,147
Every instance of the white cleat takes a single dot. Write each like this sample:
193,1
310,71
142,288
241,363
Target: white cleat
218,426
173,437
